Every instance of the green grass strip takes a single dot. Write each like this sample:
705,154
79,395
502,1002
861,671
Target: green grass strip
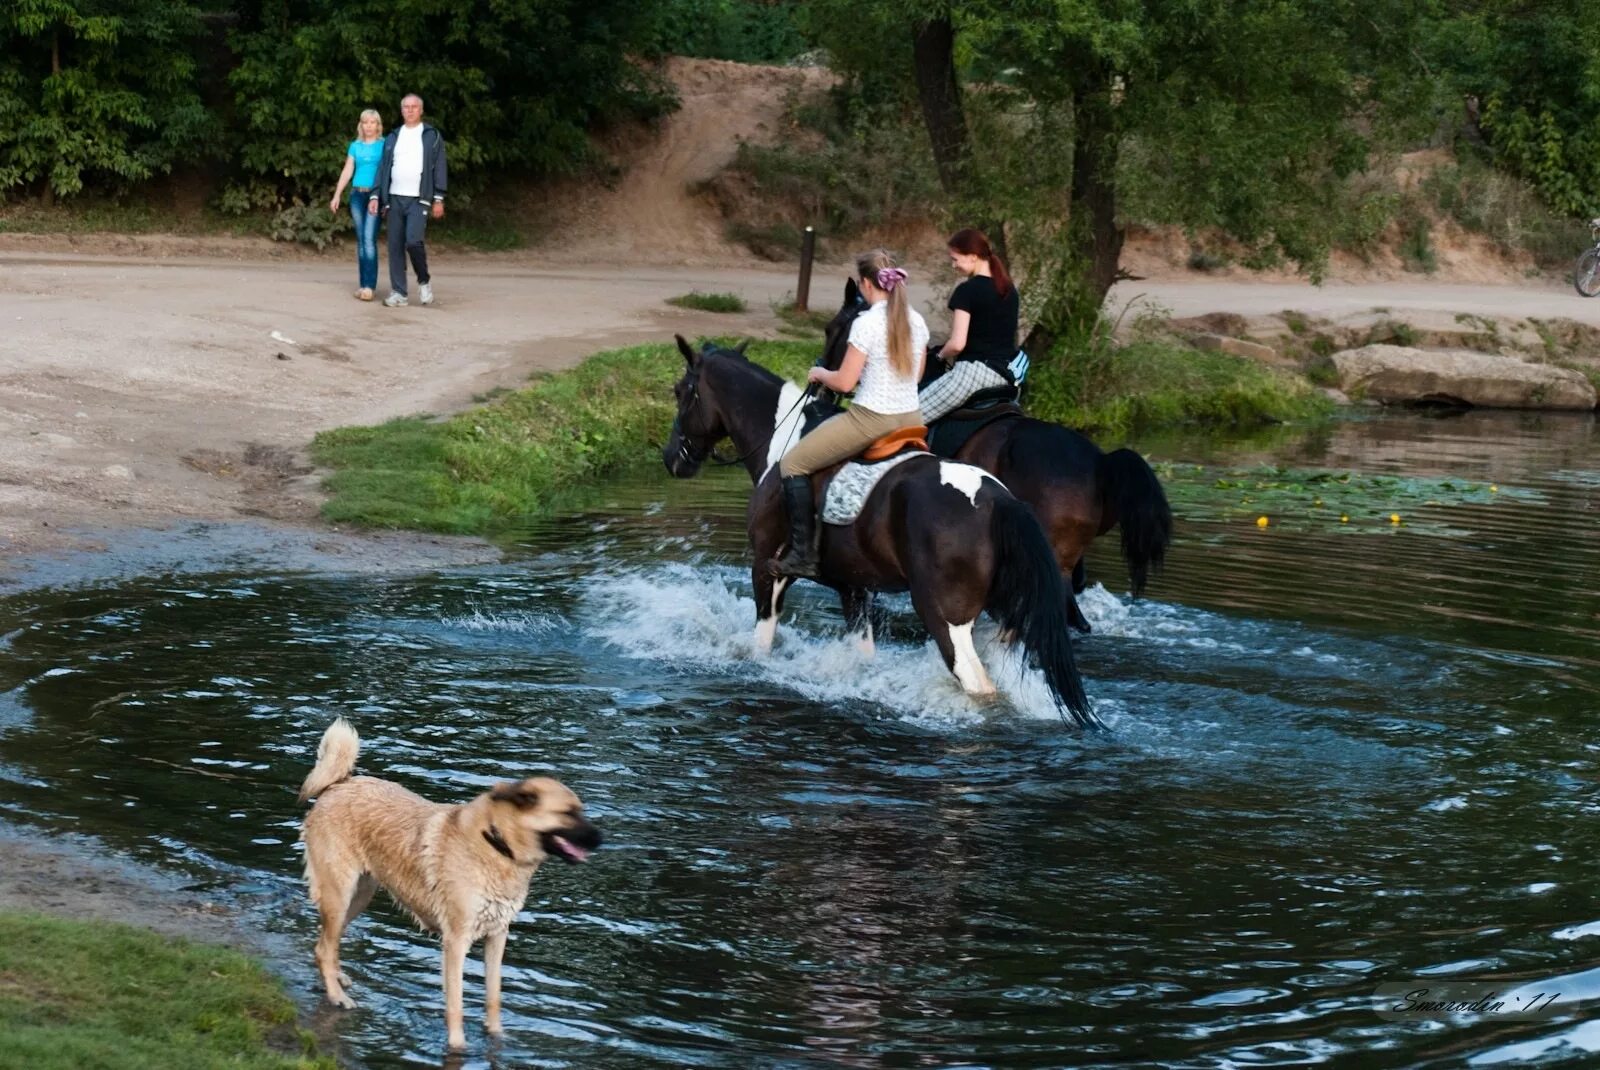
93,994
525,453
723,302
1157,385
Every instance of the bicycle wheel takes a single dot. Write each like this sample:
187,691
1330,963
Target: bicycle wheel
1586,276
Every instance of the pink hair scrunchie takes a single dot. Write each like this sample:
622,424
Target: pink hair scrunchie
889,278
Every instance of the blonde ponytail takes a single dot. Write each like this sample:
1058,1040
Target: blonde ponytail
879,266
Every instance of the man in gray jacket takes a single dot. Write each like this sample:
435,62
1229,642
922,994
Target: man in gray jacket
411,184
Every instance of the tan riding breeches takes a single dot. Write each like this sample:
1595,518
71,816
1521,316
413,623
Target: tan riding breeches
842,437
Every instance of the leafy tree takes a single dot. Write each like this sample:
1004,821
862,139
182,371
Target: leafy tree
514,84
1058,116
749,31
1530,76
97,91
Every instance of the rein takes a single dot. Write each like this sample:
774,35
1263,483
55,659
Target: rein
693,455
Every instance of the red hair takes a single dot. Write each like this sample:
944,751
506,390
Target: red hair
973,242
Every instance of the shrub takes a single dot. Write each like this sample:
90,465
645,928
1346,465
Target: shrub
723,302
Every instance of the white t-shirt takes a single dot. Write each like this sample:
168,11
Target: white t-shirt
882,389
405,174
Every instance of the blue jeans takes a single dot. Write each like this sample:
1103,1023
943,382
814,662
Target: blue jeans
366,238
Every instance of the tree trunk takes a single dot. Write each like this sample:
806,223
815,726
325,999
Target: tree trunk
939,94
1094,236
47,195
935,63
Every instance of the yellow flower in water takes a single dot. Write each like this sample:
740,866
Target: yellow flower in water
1261,521
1394,518
1493,489
1344,518
1318,502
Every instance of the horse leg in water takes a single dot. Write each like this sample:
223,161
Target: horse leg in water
954,641
769,591
857,605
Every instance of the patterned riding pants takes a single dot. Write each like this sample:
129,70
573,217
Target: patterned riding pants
950,391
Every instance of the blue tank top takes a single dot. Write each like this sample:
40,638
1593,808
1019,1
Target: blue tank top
367,157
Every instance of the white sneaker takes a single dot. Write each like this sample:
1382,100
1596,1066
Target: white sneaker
427,293
395,300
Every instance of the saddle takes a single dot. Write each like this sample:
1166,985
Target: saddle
951,432
895,442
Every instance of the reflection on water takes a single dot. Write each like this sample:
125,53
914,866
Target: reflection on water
1334,763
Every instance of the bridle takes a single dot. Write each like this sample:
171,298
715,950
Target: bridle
693,455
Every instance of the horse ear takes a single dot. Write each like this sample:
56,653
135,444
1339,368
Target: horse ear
741,347
852,292
688,351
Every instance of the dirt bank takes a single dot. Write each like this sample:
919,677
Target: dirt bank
137,391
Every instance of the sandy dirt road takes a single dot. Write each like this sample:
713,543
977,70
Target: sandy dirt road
1189,296
135,392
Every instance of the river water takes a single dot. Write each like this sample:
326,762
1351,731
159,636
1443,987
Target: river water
1342,755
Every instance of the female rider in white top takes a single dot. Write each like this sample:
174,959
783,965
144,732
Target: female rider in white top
882,365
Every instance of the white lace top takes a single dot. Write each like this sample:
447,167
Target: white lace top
881,388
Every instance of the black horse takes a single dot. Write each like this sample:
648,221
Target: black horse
957,540
1077,491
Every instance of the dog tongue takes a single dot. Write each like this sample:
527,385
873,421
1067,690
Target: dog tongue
571,850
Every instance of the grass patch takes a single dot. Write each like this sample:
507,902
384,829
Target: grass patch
809,324
709,302
523,455
77,994
97,216
1159,383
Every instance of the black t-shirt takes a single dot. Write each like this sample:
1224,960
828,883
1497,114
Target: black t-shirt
992,334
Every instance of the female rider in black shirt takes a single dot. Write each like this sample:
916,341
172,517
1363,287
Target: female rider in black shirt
983,328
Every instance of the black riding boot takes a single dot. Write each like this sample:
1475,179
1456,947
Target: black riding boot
800,559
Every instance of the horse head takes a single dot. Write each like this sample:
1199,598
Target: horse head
836,335
700,422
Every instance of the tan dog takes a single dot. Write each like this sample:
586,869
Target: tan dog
462,871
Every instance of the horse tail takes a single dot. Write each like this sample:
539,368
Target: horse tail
1129,486
1028,600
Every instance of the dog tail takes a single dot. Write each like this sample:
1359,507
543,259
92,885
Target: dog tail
336,759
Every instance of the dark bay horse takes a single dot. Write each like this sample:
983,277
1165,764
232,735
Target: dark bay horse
957,540
1078,491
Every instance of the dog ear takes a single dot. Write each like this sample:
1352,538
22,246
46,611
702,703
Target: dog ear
512,791
852,292
688,352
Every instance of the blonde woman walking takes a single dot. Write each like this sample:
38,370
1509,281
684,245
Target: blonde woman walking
361,174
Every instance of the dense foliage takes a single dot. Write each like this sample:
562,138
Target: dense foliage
101,92
515,86
1530,77
1052,122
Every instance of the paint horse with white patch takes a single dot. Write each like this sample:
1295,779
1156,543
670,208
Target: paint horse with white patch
956,540
1077,491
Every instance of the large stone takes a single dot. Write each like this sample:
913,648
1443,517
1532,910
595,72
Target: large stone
1401,374
1239,347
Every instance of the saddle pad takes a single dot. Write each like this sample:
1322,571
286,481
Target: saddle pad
850,487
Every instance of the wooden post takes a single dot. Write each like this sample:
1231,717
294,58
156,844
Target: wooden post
808,250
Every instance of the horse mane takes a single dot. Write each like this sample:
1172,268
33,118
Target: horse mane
709,350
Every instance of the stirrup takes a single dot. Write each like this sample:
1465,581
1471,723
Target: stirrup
795,566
